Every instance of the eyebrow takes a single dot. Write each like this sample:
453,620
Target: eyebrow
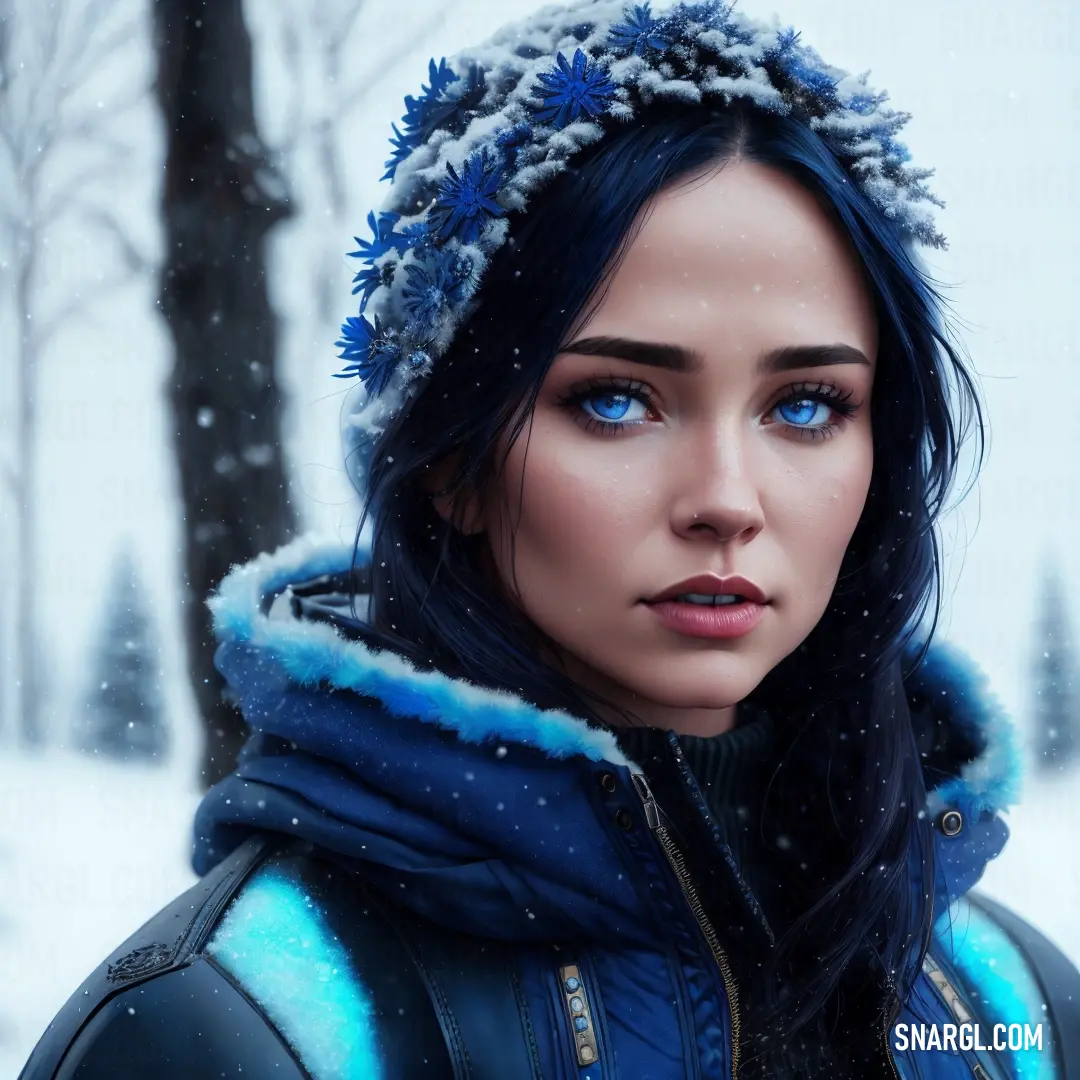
685,361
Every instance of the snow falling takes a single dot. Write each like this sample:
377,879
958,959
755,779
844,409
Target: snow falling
92,844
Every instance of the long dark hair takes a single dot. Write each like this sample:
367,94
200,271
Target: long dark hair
433,597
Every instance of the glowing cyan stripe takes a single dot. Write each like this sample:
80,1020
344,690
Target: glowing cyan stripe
988,959
276,944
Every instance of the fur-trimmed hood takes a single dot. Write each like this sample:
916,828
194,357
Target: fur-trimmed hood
476,807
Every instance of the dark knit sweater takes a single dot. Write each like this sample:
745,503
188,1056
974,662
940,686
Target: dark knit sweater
733,770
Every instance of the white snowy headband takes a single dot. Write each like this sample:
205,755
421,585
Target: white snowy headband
496,123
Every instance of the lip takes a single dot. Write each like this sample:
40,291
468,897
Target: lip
708,621
712,585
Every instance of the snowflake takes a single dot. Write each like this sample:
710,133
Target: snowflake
466,202
372,352
640,31
569,91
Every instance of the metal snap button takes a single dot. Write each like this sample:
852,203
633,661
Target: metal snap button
608,782
624,819
951,822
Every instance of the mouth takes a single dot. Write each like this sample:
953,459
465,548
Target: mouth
707,606
705,600
710,590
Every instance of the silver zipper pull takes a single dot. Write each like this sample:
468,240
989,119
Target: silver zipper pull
652,810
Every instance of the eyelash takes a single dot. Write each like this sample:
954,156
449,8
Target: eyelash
826,393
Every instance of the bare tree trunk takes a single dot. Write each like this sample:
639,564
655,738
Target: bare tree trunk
221,196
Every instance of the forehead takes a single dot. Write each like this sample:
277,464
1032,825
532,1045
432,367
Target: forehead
742,256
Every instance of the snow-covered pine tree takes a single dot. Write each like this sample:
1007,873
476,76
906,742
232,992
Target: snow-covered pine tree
1057,722
124,718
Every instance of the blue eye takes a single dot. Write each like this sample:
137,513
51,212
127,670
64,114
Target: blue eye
805,412
612,406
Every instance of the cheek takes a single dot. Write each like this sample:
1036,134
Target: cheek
820,507
570,511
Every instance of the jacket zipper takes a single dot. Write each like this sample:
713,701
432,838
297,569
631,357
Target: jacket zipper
890,1019
678,865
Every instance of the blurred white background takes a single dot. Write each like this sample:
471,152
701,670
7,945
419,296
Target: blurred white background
88,850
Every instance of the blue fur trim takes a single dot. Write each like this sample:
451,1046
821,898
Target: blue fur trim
959,690
989,962
314,653
275,943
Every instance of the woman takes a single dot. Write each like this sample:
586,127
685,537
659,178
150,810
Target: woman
620,749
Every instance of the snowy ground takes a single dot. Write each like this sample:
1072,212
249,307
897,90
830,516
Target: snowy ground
88,851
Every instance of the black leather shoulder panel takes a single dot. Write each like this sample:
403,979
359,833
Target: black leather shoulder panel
165,943
189,1022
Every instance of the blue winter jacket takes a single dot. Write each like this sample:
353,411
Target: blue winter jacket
409,876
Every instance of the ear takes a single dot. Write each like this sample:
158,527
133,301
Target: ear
462,508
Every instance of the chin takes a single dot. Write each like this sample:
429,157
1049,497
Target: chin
702,686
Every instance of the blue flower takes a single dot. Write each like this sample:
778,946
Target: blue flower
416,237
441,104
797,65
433,285
715,15
455,107
786,40
440,78
511,140
372,352
384,240
425,294
569,91
403,143
640,31
382,230
371,278
466,203
865,104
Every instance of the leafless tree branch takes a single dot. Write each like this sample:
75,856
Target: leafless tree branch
48,56
61,199
389,60
79,307
11,481
134,261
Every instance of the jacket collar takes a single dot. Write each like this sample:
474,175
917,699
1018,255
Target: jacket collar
275,662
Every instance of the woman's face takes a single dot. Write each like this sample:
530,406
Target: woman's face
711,419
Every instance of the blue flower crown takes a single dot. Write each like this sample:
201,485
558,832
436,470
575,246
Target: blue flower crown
493,125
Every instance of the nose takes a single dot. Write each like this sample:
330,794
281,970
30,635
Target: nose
718,497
